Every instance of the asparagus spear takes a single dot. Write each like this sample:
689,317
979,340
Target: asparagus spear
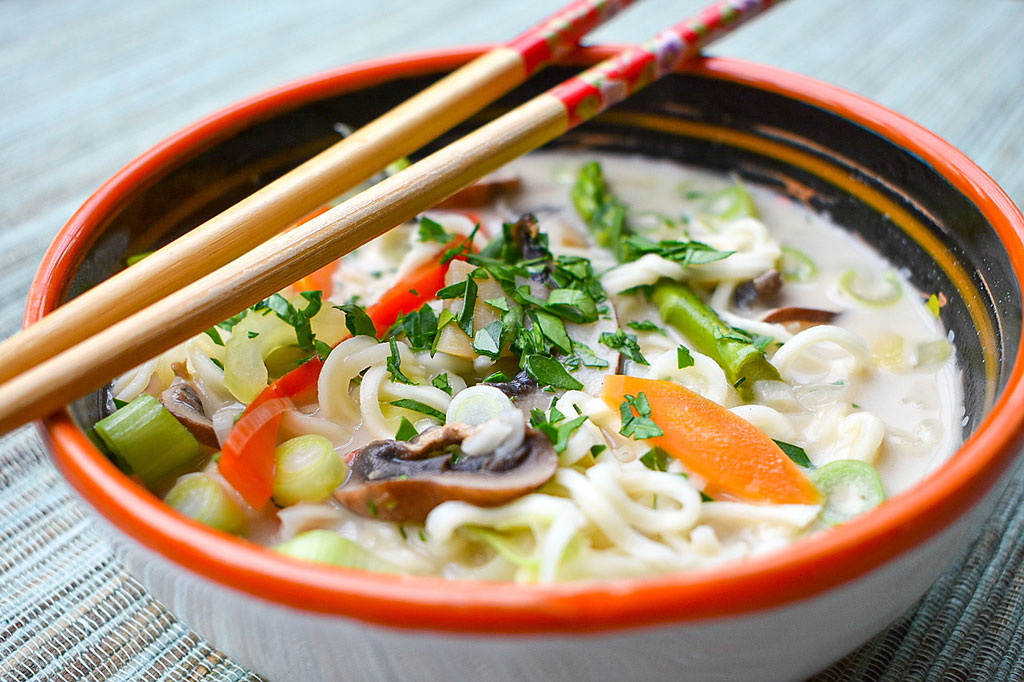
605,215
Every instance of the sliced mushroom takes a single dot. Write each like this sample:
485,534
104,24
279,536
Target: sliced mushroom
763,287
808,316
105,401
403,481
183,402
518,386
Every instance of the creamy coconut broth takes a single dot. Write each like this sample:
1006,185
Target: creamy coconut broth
487,441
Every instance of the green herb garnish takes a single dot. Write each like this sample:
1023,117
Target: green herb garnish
406,430
638,426
394,364
441,382
417,406
795,453
625,344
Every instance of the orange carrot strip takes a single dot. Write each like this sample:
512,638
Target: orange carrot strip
247,459
737,460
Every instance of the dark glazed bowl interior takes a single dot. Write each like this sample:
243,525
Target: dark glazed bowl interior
895,186
797,148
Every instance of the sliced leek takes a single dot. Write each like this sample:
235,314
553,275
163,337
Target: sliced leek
796,266
327,547
871,288
851,487
202,497
146,439
307,470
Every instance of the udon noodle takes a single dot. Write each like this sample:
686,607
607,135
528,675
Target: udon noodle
772,377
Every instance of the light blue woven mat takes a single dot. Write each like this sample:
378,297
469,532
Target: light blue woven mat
87,86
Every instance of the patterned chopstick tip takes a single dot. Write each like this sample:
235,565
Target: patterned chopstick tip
615,79
559,35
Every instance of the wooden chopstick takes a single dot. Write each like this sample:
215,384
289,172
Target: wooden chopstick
308,247
342,166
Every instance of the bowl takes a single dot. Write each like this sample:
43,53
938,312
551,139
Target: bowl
778,616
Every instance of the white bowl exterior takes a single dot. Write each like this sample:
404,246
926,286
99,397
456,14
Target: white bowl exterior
785,643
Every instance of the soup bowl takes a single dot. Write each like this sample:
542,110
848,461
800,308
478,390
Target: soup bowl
778,616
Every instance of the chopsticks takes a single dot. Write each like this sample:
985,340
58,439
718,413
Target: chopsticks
342,166
295,253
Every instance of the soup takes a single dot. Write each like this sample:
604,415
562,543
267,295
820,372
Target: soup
591,366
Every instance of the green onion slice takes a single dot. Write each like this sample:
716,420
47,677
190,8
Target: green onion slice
308,470
851,487
796,266
147,440
477,404
327,547
871,288
201,497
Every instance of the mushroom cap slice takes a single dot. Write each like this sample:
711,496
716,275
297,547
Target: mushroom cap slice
403,481
183,402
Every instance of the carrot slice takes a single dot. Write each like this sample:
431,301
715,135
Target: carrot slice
247,458
736,459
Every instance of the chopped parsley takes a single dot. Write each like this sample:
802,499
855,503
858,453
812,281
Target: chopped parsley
554,426
625,344
431,231
406,431
441,382
646,326
638,426
357,321
548,371
487,341
417,406
656,459
215,335
795,453
394,364
418,327
684,358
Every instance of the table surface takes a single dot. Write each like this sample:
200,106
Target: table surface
87,86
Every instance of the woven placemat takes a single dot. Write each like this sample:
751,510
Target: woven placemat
87,86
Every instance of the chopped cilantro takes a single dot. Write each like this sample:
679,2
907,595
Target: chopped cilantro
683,357
253,335
496,378
218,363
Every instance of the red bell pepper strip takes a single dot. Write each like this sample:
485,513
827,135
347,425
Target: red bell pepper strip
247,458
